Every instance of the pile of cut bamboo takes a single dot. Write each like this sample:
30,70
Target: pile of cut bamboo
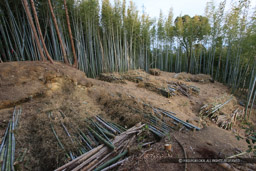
162,122
210,110
97,131
155,71
104,157
106,143
7,148
173,119
178,87
111,77
225,121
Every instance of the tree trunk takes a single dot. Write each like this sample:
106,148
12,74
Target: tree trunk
25,3
188,56
58,32
40,32
70,36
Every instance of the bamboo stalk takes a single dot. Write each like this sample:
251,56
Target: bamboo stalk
25,4
56,136
100,131
85,137
40,32
65,129
237,155
115,164
5,155
107,126
102,151
58,32
9,152
70,35
89,165
88,145
81,158
98,152
110,145
111,161
99,162
4,138
13,144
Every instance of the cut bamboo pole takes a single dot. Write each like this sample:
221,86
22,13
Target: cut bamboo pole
4,138
56,136
89,165
97,153
111,161
81,158
106,125
115,164
110,145
101,152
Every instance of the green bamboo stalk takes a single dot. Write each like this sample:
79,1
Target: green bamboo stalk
9,153
56,136
85,137
110,145
100,130
109,162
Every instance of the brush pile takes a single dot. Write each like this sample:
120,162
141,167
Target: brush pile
7,149
105,144
161,122
178,87
171,89
227,121
159,89
214,113
78,141
202,78
111,77
155,71
173,121
104,156
211,110
166,89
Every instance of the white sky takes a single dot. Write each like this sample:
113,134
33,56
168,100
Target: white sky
190,7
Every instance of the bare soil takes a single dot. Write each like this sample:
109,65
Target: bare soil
40,88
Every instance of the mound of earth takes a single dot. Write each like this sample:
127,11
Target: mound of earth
20,81
46,92
194,78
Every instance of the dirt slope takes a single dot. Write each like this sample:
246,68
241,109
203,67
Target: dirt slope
42,88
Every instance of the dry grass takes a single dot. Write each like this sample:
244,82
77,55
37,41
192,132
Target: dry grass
202,78
121,108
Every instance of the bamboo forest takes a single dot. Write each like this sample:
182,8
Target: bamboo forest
197,71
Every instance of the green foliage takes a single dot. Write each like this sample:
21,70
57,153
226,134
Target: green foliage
190,31
250,137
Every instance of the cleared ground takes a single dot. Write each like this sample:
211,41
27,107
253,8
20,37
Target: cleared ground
42,88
